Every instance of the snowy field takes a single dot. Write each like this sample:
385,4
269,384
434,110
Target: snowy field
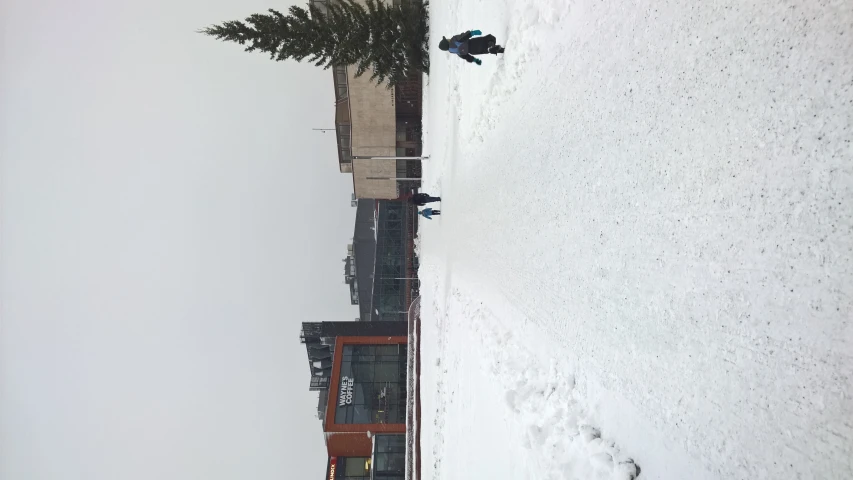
646,252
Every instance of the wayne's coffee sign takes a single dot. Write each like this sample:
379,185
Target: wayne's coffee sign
345,397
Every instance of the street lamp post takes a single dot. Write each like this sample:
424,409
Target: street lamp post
363,157
401,179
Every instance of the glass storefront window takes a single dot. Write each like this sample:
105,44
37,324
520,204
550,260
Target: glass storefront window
372,388
353,468
391,286
389,457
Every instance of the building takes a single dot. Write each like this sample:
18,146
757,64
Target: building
380,267
395,282
360,261
374,121
360,371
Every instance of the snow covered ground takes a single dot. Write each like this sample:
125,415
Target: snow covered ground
646,247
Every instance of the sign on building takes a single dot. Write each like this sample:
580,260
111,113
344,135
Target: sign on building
333,463
345,397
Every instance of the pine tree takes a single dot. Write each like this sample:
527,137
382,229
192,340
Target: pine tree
388,40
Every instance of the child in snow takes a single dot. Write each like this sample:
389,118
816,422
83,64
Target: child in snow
428,213
422,199
465,46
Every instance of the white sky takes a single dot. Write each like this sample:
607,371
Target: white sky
167,220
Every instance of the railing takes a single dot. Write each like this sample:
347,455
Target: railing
341,83
344,133
310,330
413,392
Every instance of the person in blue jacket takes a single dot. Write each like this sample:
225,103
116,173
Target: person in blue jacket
466,46
429,212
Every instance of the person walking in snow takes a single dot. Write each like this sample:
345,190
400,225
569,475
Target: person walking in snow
466,47
428,213
421,199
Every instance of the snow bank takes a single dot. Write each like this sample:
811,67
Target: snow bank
412,472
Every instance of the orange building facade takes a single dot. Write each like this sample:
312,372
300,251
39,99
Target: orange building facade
359,368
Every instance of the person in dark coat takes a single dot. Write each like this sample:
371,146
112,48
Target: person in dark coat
421,199
466,46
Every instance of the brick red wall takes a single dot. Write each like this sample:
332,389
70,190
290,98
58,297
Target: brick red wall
330,425
349,444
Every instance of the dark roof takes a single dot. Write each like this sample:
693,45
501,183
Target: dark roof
364,250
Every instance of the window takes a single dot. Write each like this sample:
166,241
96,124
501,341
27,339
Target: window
353,468
389,457
413,134
344,133
373,385
341,86
391,287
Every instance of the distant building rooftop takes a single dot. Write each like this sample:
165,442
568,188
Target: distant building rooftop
362,258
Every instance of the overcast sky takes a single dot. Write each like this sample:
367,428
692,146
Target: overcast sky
167,220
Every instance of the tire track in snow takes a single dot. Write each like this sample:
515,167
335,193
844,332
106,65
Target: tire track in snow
434,369
523,43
